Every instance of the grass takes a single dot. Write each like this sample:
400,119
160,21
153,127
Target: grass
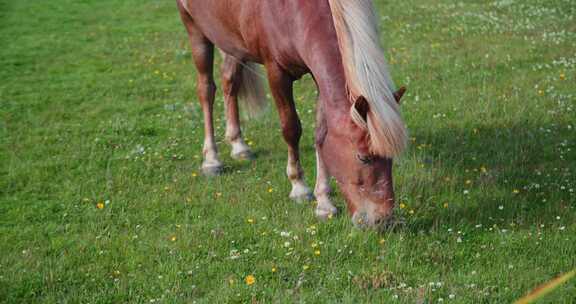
97,106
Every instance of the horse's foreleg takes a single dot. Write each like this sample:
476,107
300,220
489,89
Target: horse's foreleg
281,86
325,208
203,55
231,81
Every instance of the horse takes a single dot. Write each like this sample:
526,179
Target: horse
359,127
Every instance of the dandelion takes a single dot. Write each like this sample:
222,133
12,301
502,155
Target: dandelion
317,253
173,238
273,269
194,174
100,205
445,205
270,190
402,205
515,191
305,267
250,221
250,280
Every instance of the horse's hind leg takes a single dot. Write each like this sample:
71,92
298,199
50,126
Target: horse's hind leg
281,85
231,81
203,55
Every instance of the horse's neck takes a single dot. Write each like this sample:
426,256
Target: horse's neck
328,72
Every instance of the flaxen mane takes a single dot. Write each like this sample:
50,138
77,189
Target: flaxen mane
367,75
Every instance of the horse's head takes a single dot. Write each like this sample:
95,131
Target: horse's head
364,176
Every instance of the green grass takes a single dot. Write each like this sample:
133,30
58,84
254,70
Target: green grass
97,104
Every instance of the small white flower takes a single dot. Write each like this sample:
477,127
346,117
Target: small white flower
452,296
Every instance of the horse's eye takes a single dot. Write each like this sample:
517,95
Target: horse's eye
365,159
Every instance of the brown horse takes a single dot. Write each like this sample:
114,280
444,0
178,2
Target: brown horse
359,128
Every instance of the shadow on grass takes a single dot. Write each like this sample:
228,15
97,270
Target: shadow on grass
485,175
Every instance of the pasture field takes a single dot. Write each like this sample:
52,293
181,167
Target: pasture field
102,201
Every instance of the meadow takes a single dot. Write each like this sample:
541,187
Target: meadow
102,199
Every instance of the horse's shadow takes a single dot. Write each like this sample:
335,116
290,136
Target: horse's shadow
504,176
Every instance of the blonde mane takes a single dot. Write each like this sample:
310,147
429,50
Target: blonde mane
367,75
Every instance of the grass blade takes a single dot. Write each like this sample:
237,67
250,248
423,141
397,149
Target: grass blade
546,288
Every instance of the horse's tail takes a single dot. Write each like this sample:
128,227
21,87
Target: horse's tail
251,91
367,75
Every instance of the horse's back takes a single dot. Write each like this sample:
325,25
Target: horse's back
259,29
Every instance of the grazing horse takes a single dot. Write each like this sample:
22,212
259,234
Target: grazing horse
359,128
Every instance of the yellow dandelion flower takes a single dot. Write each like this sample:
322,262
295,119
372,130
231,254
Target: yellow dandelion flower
273,269
317,252
270,190
100,205
173,238
402,205
250,280
305,267
540,92
194,174
250,221
445,205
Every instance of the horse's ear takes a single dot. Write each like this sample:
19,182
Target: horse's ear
398,95
362,107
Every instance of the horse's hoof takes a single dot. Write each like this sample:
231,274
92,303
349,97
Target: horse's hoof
212,170
244,155
301,195
324,213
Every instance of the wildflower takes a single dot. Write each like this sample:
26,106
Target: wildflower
100,205
468,182
483,169
194,174
411,211
562,76
515,191
317,252
305,267
273,269
382,241
250,280
445,205
270,190
250,221
402,205
173,238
